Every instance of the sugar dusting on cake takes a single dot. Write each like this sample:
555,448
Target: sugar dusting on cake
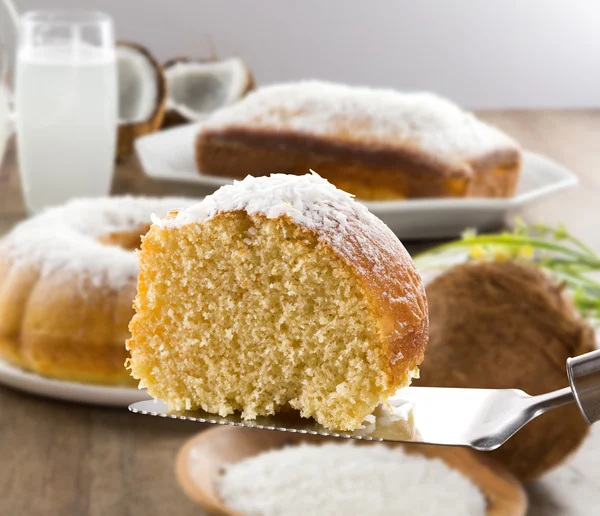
377,118
336,479
63,241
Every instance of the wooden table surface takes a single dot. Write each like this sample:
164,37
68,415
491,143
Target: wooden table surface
65,459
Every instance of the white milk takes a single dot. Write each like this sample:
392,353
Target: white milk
66,105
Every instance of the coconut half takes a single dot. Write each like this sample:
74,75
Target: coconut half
142,95
197,88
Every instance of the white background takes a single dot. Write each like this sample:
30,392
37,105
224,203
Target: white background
481,53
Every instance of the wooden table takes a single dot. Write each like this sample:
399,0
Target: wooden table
64,459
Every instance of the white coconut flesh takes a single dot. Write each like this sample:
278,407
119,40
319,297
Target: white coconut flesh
138,85
197,89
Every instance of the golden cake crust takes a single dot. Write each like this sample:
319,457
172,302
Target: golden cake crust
64,328
390,280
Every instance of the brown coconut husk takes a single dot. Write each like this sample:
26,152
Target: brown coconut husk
173,117
506,325
129,132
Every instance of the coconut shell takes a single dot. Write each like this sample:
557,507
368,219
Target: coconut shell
129,132
173,117
505,325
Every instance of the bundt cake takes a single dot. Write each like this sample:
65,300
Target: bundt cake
67,283
277,292
376,144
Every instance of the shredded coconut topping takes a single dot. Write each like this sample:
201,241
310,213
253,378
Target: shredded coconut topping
377,118
342,479
64,240
309,200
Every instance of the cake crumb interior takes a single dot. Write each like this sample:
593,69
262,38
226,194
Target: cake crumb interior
244,313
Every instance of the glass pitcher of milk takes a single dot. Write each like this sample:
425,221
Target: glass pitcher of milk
66,105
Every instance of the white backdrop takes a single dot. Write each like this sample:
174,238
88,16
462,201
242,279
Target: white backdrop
481,53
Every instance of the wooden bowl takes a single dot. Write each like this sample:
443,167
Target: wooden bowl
210,449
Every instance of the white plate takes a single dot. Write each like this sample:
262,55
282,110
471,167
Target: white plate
17,378
169,155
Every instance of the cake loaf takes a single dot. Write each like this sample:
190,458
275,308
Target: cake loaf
375,144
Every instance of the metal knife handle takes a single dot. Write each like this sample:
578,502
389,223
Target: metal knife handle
584,376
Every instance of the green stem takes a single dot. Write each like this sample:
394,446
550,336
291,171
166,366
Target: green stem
576,274
581,245
513,241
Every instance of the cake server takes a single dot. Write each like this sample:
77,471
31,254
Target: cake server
482,419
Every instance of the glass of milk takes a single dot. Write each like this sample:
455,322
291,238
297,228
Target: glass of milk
66,106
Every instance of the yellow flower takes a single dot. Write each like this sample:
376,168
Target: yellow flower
476,252
526,252
501,255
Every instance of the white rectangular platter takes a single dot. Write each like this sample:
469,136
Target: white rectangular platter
169,155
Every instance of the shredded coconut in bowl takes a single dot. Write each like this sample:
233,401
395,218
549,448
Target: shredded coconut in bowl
346,479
